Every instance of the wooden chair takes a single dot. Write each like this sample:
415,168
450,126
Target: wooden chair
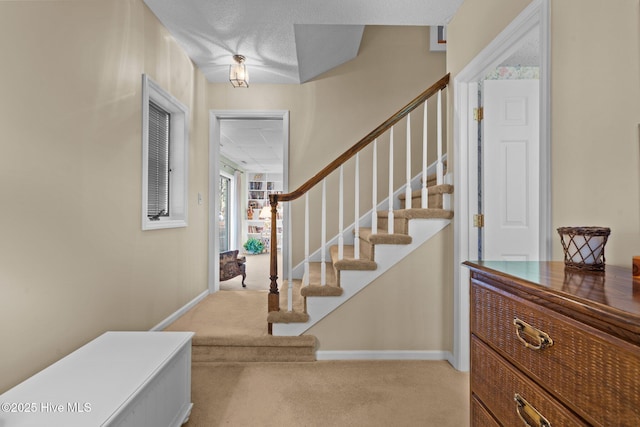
231,266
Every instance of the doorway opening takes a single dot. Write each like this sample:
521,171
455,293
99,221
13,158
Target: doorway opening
248,160
534,19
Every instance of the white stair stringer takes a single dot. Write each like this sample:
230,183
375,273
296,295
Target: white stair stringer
353,281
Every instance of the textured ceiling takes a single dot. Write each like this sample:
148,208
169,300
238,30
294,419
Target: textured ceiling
254,145
288,41
285,41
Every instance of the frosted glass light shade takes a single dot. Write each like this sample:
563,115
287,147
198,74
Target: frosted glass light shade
238,74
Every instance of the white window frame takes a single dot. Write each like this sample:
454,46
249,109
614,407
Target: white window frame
232,209
179,161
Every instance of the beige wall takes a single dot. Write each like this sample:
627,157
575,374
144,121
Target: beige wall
595,72
595,109
407,308
74,261
475,24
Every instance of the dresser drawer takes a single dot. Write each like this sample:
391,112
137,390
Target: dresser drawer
479,415
596,375
497,383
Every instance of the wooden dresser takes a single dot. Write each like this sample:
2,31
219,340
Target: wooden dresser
552,346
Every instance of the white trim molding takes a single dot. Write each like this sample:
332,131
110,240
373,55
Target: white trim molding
179,312
534,17
214,171
383,355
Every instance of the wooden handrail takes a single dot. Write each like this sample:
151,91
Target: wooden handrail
274,294
439,85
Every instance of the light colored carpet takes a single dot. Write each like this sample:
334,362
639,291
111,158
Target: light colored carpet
324,393
257,274
329,393
228,313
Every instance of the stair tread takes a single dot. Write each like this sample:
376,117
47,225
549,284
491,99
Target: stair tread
287,317
321,291
348,261
433,190
382,237
418,213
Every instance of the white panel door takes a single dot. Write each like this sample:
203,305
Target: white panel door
511,167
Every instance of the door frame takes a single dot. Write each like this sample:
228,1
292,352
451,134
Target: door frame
233,215
214,172
465,170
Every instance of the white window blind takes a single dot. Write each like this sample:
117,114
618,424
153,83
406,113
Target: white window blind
165,158
158,172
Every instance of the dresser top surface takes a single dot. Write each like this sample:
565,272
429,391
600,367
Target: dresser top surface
613,290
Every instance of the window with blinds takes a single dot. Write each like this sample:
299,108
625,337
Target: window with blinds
158,168
165,158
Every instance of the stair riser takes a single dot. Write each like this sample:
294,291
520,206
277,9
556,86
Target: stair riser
400,225
435,201
366,250
206,353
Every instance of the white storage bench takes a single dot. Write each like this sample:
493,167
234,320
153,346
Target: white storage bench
119,379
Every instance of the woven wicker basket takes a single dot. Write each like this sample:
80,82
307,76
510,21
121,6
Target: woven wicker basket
584,247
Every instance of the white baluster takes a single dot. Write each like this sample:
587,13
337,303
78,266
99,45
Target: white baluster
289,257
408,203
306,239
341,215
323,231
390,215
374,195
439,166
356,234
425,193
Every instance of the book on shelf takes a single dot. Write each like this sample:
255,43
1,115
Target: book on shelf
254,229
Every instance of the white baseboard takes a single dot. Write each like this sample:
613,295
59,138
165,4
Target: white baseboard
384,355
173,317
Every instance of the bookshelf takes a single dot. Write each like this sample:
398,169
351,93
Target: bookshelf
259,187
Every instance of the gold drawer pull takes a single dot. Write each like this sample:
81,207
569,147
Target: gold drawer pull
523,328
527,412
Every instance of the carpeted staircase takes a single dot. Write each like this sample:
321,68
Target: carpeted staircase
378,252
283,339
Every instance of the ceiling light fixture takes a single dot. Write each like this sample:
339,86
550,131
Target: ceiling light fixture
238,74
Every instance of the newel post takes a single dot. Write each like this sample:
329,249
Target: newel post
274,294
